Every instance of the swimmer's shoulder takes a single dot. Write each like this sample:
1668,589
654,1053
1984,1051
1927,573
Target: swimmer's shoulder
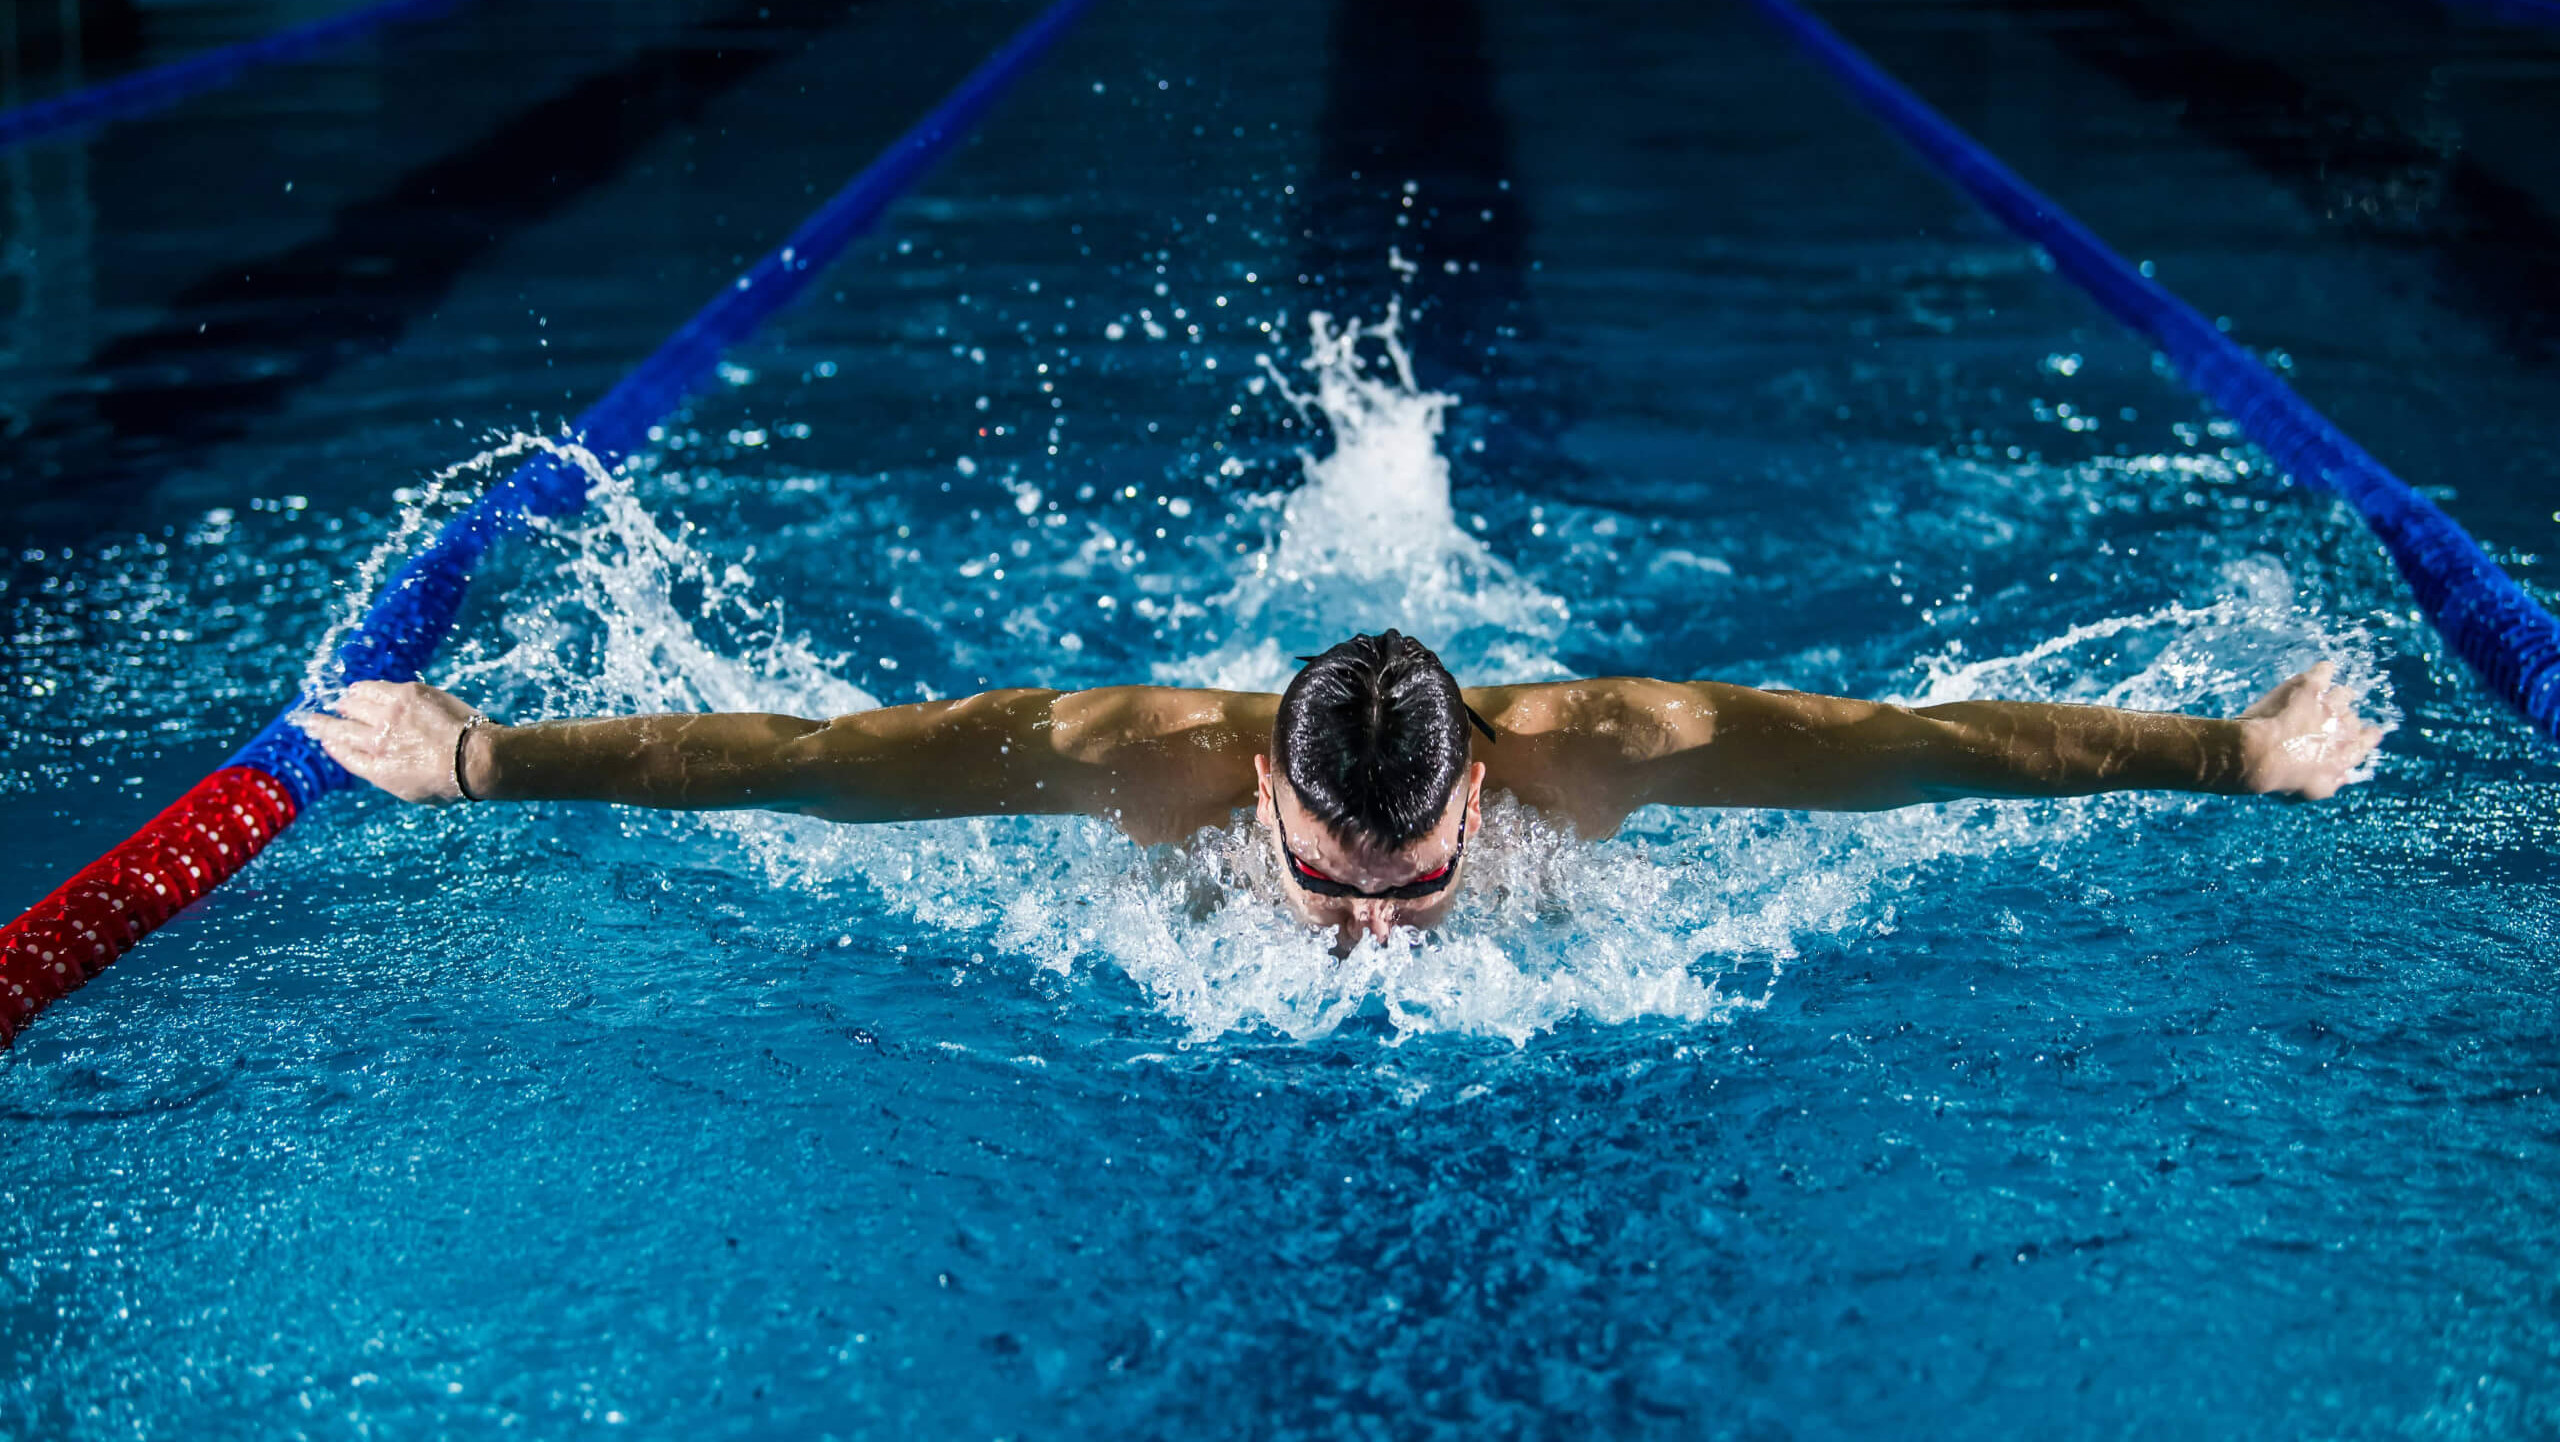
1167,760
1634,717
1571,749
1108,719
1582,750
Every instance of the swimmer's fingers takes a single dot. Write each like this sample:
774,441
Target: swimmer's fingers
2347,739
349,743
2307,738
2309,687
387,703
368,702
2333,762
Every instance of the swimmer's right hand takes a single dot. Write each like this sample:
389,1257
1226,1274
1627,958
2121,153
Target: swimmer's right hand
399,736
2305,738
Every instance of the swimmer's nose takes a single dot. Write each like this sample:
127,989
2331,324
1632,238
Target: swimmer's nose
1378,918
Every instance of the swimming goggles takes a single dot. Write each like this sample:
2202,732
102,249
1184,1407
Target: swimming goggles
1323,885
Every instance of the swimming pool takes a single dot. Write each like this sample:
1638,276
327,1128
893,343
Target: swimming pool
2079,1118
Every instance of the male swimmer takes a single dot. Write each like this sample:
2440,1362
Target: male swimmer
1367,773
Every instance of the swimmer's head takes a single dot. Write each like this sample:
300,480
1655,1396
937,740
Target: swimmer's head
1369,791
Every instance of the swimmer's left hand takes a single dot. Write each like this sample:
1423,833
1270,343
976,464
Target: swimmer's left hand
2305,738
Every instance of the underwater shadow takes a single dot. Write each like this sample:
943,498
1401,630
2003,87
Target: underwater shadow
1415,155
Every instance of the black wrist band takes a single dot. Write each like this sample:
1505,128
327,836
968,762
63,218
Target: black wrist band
459,785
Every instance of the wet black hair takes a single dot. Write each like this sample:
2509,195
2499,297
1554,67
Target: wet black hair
1373,738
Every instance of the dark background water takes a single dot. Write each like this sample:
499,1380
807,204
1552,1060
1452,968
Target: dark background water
2195,1120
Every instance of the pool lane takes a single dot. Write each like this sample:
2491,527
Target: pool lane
231,347
2367,172
2363,199
142,92
1416,153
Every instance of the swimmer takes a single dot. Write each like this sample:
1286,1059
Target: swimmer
1368,774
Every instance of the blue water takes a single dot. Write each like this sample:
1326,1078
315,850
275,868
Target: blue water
2156,1115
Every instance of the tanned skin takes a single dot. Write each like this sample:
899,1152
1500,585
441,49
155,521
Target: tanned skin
1161,762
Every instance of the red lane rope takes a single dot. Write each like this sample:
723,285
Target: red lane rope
194,846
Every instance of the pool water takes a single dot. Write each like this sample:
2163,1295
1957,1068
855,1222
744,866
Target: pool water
2153,1114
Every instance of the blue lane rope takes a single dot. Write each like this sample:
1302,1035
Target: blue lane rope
168,84
2521,12
2488,620
412,613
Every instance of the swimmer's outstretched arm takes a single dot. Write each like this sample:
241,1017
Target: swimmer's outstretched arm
1156,760
1596,750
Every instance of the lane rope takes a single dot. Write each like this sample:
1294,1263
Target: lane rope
2517,12
2490,621
207,835
166,85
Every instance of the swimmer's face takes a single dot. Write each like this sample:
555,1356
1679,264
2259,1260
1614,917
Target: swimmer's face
1366,868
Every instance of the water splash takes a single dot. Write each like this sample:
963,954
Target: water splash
421,513
637,616
1686,915
2213,659
1370,539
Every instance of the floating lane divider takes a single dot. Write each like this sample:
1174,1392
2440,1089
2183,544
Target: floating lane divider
2521,12
149,90
2488,620
213,830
